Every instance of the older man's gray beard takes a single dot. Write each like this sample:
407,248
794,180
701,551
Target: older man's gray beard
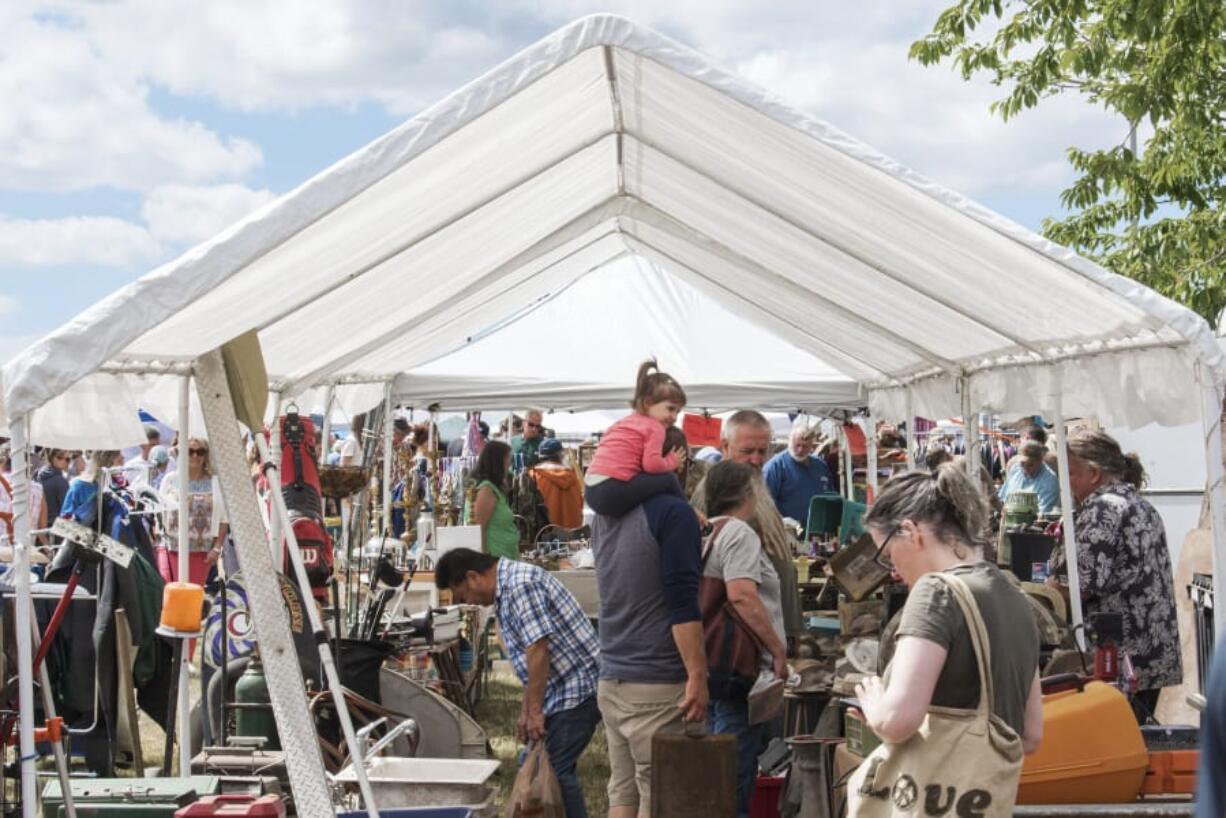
798,459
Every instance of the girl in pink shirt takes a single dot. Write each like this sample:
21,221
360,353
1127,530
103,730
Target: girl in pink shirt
631,463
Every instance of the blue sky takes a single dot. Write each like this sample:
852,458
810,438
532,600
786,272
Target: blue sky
134,129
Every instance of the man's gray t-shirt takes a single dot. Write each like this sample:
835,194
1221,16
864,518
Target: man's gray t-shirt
737,554
932,613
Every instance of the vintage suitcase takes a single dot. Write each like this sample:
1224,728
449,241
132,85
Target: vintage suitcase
693,775
115,797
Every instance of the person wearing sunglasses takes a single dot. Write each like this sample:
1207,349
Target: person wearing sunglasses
929,523
528,444
207,525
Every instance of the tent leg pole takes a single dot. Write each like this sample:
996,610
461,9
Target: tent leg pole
274,522
182,656
57,747
1070,534
326,431
912,440
317,628
1211,420
870,432
388,454
19,429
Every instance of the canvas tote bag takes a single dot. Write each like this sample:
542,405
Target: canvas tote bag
961,763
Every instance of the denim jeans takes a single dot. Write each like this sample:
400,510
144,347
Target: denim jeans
732,717
567,734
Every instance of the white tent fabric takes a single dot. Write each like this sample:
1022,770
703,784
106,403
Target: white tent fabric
581,347
601,140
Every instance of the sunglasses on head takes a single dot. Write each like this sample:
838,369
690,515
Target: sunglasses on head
201,452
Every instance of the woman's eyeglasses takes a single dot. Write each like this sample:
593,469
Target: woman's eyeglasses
881,558
198,452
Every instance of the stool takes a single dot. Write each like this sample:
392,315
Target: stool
801,711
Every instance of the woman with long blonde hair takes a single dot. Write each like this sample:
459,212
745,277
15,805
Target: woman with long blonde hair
206,514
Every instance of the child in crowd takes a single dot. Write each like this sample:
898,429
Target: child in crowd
630,464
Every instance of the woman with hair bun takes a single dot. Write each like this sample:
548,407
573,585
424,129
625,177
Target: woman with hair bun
1123,562
929,530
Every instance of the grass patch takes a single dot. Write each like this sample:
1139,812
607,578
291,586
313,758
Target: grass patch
497,714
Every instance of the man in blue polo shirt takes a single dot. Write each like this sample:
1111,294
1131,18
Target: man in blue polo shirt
794,475
553,649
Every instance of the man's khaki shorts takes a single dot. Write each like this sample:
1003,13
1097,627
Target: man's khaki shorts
633,713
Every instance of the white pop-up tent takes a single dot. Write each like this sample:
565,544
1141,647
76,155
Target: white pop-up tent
605,140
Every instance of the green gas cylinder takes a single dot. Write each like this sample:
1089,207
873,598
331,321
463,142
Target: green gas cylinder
254,715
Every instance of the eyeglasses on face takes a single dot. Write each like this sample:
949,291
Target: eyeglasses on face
198,452
534,425
881,558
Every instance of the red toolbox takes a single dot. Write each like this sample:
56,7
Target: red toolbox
236,804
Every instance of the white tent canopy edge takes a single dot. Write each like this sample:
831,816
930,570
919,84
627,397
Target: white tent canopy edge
1170,340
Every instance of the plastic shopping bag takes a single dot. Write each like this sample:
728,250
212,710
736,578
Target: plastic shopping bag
536,793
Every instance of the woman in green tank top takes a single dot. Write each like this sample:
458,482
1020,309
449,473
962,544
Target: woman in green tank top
490,509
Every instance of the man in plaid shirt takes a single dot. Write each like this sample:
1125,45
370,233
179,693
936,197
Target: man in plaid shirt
552,646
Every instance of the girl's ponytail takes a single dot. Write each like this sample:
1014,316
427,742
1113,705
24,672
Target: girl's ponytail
652,386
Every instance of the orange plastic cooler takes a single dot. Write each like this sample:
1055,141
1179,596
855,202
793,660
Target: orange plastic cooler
1092,750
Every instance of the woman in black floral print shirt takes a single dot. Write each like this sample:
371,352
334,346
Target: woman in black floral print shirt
1124,564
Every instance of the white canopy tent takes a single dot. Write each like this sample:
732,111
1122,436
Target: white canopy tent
381,277
579,348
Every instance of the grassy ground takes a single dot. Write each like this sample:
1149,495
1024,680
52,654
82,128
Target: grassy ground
497,714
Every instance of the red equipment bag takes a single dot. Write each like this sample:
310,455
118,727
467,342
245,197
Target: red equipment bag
316,548
300,466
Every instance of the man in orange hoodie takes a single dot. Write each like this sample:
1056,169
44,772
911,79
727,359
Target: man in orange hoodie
560,487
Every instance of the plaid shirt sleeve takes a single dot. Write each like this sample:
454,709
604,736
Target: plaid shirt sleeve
529,607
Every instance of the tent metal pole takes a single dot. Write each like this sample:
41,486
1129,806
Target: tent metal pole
870,434
19,429
388,454
274,522
184,570
968,431
846,460
1066,514
1211,420
326,431
911,438
326,660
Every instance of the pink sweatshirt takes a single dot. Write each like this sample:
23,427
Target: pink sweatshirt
632,445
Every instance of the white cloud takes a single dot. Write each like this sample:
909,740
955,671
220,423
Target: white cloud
8,305
73,118
175,216
285,55
180,214
92,240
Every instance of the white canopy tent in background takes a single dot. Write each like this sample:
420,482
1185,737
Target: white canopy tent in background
580,347
606,139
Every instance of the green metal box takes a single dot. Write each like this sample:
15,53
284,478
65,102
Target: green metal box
121,797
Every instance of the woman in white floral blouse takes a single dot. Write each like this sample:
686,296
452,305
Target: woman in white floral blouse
1124,563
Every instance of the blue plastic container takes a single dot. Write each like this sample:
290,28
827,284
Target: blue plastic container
414,812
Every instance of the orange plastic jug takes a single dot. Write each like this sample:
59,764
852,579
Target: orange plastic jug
1092,750
182,604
